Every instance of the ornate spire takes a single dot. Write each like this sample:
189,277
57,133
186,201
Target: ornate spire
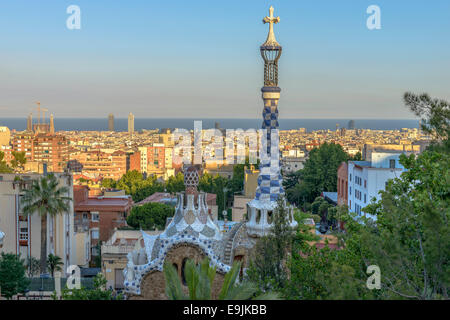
191,180
271,41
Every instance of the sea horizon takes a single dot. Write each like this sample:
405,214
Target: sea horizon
121,124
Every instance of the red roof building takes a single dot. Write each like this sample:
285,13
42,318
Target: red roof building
99,215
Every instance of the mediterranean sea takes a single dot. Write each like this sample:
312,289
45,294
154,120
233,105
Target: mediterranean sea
121,124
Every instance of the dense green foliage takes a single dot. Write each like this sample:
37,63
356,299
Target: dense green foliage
409,242
134,184
4,168
318,174
54,263
19,159
150,216
45,197
12,275
200,278
412,242
435,118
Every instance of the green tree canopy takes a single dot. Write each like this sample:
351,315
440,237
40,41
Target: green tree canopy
411,244
54,263
12,275
4,168
318,174
435,117
175,184
19,159
150,216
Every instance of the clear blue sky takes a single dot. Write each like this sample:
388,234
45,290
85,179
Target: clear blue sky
200,58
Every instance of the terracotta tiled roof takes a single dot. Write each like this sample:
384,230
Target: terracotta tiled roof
104,204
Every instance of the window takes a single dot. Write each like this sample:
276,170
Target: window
95,217
23,234
365,198
350,190
94,234
392,163
365,183
350,177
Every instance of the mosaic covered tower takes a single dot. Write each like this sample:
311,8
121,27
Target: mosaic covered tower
191,234
270,180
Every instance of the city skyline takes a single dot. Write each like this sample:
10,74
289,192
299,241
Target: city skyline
338,68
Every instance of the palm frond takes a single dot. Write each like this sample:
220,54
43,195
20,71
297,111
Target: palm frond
173,284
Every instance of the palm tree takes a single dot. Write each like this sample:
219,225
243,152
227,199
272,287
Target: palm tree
48,199
54,263
200,278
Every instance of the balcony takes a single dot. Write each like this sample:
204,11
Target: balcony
118,249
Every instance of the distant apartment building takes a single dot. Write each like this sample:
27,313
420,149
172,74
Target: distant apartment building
5,136
51,149
23,233
110,122
406,147
99,164
99,215
367,178
166,138
131,123
23,142
135,161
292,164
223,170
44,147
154,160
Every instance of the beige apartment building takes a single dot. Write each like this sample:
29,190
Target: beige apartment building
240,201
23,233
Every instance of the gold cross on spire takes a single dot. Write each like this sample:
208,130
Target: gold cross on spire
271,41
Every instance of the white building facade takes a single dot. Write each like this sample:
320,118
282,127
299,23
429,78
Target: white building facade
367,178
